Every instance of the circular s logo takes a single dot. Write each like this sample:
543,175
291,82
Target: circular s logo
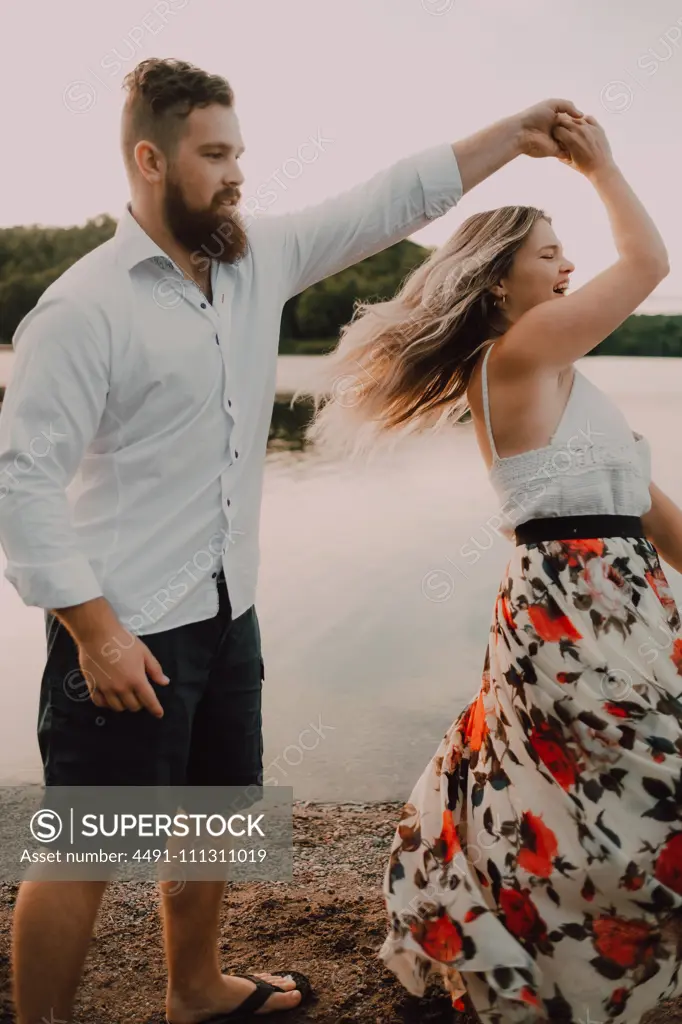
76,687
617,684
617,97
168,291
438,585
347,390
79,97
438,7
46,826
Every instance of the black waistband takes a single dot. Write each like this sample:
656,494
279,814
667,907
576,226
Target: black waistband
583,527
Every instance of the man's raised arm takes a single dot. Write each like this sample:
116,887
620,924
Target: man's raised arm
529,133
324,239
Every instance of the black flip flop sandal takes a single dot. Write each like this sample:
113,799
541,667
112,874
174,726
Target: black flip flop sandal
245,1011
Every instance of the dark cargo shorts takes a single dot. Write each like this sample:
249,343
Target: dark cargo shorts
211,731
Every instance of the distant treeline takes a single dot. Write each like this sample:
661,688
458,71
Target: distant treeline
32,257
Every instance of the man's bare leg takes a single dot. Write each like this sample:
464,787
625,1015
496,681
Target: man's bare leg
196,987
52,927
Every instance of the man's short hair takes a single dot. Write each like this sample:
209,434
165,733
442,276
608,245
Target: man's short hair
161,95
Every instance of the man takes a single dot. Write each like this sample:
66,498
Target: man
149,366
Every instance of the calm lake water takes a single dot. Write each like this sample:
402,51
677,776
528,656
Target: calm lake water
374,625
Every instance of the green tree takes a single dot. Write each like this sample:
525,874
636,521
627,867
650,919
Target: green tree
325,307
32,257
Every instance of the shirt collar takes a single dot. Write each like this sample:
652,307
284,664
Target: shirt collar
134,244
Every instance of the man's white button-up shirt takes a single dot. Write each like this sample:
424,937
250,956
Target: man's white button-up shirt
133,432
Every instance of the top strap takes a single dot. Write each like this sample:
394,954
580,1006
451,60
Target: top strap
486,403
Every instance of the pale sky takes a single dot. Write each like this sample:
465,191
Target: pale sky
376,79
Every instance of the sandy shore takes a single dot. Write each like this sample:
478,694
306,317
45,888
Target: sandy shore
328,923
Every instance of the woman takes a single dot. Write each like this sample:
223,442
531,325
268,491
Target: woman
537,866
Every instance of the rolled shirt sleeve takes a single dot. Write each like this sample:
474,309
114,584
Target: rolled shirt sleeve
51,412
324,239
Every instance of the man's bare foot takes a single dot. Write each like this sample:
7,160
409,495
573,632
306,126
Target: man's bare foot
230,992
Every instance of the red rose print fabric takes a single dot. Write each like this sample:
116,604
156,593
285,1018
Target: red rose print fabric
537,865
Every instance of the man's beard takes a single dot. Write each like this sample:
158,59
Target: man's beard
216,232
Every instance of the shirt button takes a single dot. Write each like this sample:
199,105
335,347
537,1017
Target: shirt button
213,575
236,455
203,305
227,501
229,403
217,340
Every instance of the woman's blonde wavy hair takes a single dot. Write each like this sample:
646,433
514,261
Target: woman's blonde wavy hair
405,364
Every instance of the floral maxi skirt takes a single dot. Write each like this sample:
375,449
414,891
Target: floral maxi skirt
537,866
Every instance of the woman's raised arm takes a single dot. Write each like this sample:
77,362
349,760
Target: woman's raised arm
557,333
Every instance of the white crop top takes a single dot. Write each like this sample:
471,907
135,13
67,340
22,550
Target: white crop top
593,465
